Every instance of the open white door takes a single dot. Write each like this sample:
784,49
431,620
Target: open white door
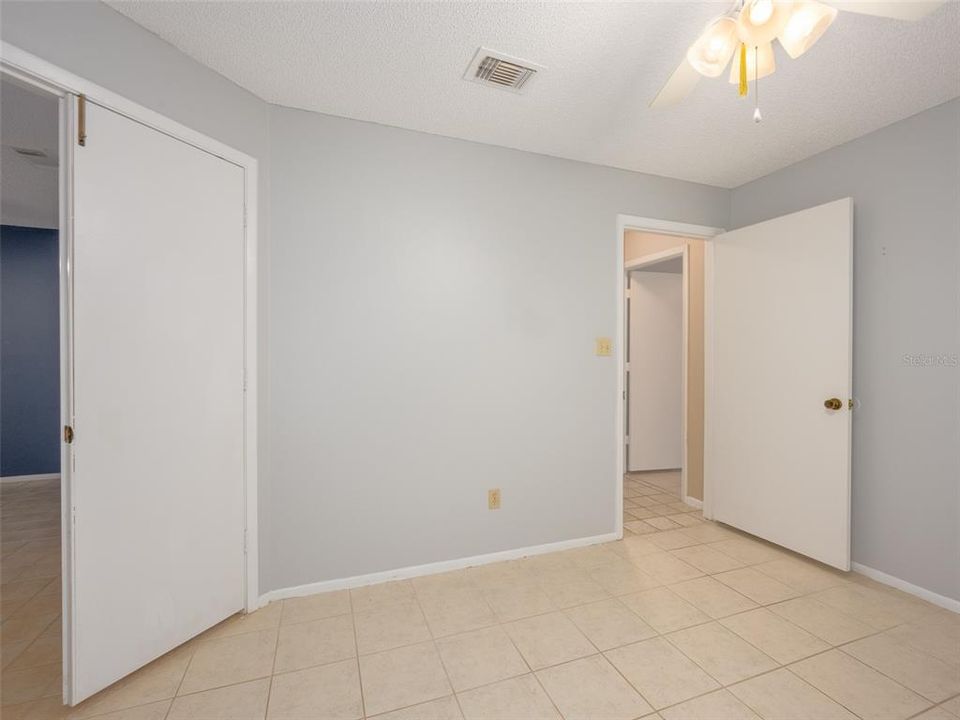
157,357
779,345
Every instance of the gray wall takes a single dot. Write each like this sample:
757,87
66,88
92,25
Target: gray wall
97,43
434,305
905,183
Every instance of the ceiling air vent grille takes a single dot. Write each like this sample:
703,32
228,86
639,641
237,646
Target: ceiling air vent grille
502,71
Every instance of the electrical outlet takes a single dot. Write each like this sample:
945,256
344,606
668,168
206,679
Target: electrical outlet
604,347
493,499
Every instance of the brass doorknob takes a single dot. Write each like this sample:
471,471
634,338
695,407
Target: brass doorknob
832,404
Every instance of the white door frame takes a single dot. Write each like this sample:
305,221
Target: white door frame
660,227
65,85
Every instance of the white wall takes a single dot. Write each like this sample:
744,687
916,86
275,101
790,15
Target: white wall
656,370
433,315
905,183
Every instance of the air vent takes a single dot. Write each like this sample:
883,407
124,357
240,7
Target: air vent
502,71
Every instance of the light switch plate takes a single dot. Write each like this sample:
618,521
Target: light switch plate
604,347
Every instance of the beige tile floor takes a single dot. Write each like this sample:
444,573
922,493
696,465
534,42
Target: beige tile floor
681,620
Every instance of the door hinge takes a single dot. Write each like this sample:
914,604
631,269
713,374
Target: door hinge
67,434
82,120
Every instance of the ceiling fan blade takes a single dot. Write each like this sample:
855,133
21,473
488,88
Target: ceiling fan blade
680,84
903,10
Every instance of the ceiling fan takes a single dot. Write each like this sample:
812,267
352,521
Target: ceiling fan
747,31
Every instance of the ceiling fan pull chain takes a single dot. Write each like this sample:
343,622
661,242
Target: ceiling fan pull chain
757,117
743,69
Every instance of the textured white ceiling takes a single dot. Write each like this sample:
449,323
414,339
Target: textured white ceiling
401,64
29,194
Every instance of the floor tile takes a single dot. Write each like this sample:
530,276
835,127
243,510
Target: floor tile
247,701
446,708
714,598
666,568
513,601
940,641
315,607
548,640
20,686
935,713
711,533
724,655
821,620
781,695
867,605
778,638
662,523
381,595
230,660
622,577
480,657
749,552
266,618
331,692
392,626
456,610
609,624
42,651
316,642
153,711
719,705
952,706
858,687
757,586
673,539
706,559
804,576
664,610
591,689
591,556
512,699
570,587
922,673
660,672
402,677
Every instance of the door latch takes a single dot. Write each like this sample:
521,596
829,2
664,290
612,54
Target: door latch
67,434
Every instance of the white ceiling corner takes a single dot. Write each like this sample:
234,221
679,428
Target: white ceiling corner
402,64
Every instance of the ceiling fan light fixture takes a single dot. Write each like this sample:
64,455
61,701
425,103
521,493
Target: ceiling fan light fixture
712,51
808,21
760,21
760,63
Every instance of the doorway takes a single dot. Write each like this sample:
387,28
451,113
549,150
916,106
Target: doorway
156,272
666,452
30,463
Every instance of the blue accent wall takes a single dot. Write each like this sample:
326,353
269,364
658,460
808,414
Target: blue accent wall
29,351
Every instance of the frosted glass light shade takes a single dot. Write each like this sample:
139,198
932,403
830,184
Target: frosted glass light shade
760,21
767,63
711,52
807,22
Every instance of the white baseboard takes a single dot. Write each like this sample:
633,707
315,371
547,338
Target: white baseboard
29,478
431,568
922,593
693,502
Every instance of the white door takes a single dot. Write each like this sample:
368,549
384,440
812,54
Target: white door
777,459
157,355
656,371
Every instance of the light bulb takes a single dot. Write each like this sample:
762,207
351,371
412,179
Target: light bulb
760,63
760,21
711,52
757,117
807,22
760,11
